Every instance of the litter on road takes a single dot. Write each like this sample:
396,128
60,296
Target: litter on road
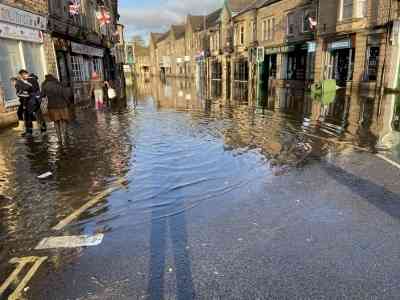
45,175
70,241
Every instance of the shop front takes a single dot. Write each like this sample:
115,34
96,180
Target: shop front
76,63
21,47
340,61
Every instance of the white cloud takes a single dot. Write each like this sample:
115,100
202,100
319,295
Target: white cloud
144,20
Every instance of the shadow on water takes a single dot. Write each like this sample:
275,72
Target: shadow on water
175,228
165,225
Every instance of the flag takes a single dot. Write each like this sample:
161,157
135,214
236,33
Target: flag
103,16
74,7
313,22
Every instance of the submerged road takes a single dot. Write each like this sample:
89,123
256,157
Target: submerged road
186,198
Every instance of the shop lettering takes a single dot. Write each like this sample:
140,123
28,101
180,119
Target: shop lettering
22,18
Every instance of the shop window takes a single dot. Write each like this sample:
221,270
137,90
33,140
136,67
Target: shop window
291,23
372,63
98,66
10,64
33,59
77,68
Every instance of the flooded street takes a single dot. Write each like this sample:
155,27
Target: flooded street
292,198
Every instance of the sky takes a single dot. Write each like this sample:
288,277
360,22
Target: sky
141,17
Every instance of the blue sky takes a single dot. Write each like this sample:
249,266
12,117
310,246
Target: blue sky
143,16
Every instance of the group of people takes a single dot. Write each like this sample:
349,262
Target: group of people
51,101
48,101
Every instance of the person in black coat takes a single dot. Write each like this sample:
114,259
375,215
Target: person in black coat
25,92
28,91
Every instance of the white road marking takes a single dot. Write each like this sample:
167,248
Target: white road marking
22,262
70,241
393,163
117,185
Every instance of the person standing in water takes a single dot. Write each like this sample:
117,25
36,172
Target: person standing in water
97,89
57,105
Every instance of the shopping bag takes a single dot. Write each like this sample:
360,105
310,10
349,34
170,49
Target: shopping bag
111,93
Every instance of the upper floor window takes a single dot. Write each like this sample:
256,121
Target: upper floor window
353,9
264,30
291,23
241,35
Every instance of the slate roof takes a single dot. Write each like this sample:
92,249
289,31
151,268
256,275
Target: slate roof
179,31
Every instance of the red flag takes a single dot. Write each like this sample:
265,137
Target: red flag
103,16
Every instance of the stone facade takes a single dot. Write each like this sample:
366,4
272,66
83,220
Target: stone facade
83,45
249,47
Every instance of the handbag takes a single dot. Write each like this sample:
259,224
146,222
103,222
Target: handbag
111,93
44,105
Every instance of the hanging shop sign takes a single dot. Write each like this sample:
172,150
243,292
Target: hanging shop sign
23,18
86,50
15,32
342,44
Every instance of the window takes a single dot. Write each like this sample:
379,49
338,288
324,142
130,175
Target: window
291,23
372,63
362,8
77,68
264,30
347,9
241,35
33,59
10,64
98,66
270,29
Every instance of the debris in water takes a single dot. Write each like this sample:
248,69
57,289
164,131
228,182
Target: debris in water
45,175
70,241
170,270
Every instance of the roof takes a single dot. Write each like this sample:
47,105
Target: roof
141,51
163,36
178,30
196,22
155,36
237,6
213,18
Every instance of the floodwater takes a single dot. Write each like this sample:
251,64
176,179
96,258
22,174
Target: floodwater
179,151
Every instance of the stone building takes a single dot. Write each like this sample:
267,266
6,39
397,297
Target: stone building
354,43
24,43
83,44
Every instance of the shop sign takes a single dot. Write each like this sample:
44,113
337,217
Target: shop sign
274,50
187,58
86,50
22,18
179,60
311,47
282,49
16,32
343,44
